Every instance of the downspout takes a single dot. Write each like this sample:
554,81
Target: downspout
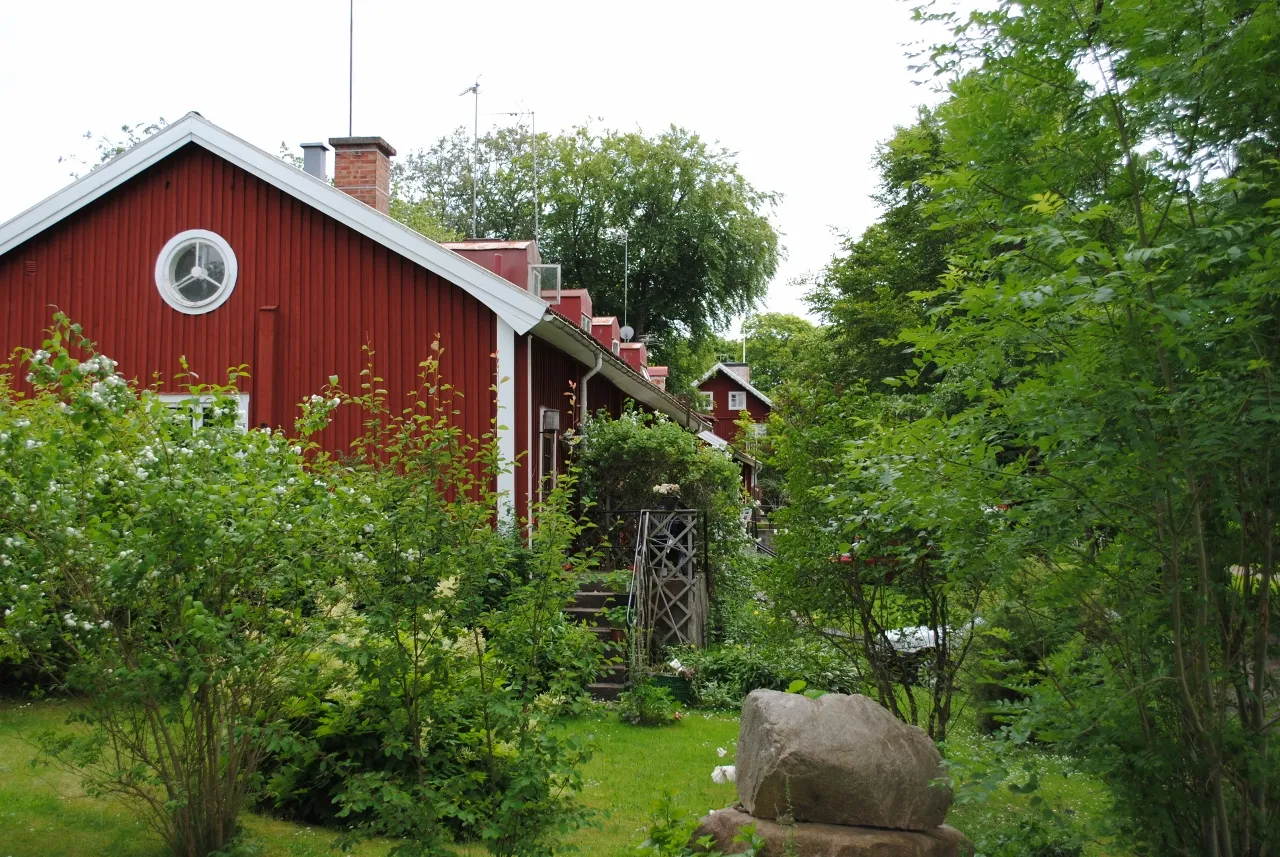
585,411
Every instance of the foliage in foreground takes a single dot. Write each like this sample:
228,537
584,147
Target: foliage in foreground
1084,446
208,590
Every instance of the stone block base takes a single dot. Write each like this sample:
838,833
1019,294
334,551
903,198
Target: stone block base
806,839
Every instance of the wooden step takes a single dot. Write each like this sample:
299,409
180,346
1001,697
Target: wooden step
606,691
591,615
595,598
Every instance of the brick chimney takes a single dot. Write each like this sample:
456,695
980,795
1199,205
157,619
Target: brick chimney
362,168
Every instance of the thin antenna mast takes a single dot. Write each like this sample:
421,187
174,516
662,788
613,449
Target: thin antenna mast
626,268
351,67
474,89
537,203
533,119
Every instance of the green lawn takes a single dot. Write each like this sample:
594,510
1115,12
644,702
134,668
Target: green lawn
45,813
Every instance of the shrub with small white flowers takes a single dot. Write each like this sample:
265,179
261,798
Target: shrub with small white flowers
246,616
440,721
163,571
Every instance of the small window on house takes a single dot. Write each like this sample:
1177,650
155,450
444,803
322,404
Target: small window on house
585,323
549,440
616,348
758,429
205,410
737,402
708,401
196,271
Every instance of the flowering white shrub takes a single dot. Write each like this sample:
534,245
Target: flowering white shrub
159,567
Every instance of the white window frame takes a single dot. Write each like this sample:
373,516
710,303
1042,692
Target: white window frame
708,401
740,398
585,323
164,266
175,401
759,429
616,348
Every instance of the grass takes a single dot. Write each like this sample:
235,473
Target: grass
44,812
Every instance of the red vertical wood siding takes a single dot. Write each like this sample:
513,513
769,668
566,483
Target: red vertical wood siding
335,290
725,420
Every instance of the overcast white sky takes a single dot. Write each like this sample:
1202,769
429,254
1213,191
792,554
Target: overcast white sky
802,91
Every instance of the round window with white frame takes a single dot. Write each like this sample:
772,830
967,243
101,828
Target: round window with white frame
196,271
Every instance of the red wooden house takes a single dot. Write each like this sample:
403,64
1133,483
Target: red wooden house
196,244
726,393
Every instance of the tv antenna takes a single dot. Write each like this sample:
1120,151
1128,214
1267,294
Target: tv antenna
533,121
351,66
473,89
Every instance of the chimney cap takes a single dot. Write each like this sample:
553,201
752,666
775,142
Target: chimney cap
325,146
354,142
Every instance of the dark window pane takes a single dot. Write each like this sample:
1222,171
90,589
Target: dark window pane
185,262
198,290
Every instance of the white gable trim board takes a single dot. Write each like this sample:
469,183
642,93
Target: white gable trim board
513,305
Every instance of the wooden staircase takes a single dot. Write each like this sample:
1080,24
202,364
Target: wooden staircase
588,607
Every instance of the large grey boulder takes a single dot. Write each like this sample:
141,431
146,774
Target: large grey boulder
836,760
830,840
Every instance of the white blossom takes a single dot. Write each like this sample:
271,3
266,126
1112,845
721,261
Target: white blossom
724,774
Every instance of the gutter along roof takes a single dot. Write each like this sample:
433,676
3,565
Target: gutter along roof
570,339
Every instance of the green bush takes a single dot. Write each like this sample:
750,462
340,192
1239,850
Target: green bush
363,634
622,461
647,705
163,567
722,675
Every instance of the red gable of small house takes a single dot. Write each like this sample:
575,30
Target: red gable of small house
729,394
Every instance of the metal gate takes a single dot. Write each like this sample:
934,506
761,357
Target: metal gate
668,584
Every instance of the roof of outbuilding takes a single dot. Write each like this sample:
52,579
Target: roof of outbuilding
512,304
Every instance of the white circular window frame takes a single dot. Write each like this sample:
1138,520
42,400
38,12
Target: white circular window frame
165,283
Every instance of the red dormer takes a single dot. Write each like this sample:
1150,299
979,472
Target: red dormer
606,331
658,375
574,304
508,259
636,355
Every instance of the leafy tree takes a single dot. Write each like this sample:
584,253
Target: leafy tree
779,347
701,246
866,294
1100,450
106,148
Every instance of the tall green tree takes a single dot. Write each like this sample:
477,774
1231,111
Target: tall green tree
779,346
866,295
700,243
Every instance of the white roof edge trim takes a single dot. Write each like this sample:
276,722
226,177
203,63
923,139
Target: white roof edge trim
720,367
568,338
513,304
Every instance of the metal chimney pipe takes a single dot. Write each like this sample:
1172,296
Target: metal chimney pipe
315,160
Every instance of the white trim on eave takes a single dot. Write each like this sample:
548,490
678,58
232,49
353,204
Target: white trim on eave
512,304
